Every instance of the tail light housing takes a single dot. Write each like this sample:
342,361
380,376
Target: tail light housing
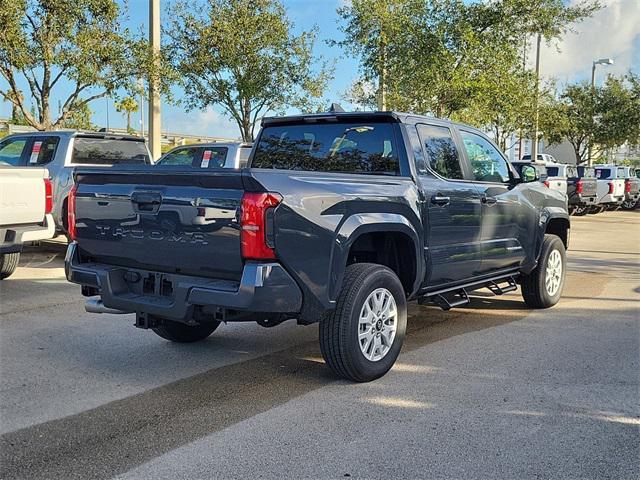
257,225
579,186
48,196
627,186
71,213
610,187
546,183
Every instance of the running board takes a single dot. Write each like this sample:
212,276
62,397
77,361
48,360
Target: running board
451,297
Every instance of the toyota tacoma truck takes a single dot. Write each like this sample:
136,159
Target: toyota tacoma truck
339,218
26,202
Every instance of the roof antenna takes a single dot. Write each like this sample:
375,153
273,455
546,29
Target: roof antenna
336,108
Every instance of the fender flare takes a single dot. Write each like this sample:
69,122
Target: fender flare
359,224
548,214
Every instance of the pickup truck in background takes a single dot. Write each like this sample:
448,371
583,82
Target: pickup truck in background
581,186
631,187
209,155
25,211
61,151
611,188
340,218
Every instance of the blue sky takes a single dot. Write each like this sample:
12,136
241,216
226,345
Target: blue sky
612,32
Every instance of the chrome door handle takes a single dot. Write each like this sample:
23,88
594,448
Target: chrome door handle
441,200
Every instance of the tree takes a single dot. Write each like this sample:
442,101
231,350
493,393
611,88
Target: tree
71,47
80,119
243,56
128,105
604,117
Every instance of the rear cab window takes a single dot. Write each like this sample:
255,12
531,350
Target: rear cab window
89,150
347,147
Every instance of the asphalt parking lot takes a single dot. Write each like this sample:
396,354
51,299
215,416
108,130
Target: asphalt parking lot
489,391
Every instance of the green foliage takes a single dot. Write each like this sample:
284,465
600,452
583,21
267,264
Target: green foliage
80,119
452,58
81,41
243,56
604,117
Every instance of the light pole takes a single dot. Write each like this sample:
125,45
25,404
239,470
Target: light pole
154,89
536,115
602,61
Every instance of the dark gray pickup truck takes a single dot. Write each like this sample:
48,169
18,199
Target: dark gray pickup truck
339,219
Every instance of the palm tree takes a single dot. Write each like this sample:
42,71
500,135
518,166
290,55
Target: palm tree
129,106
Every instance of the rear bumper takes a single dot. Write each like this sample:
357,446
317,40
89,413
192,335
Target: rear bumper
582,201
264,287
612,199
13,238
631,196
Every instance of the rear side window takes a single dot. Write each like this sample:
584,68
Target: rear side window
214,157
586,172
43,150
442,154
329,147
181,157
572,172
11,151
552,171
244,156
107,151
603,172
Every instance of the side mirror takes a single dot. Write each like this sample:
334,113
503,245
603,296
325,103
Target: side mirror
528,174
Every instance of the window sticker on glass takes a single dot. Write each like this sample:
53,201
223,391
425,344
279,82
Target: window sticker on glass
35,152
206,156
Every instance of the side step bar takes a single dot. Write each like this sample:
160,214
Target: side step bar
452,297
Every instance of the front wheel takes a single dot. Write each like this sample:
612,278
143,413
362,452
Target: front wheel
182,333
361,339
630,204
542,288
8,264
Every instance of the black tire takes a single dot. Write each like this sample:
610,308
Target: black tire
339,330
8,264
182,333
534,289
629,205
580,211
571,209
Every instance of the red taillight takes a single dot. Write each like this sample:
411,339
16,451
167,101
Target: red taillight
546,183
627,186
257,236
71,213
579,186
610,187
48,196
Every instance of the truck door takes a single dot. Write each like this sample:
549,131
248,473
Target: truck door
505,220
451,209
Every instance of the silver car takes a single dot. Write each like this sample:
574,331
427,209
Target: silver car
61,151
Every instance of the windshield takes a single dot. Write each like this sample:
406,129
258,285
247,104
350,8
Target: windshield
334,147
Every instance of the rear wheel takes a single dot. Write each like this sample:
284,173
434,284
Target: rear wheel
542,288
8,264
580,211
182,333
361,339
630,204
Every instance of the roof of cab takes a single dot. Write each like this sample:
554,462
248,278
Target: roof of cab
76,133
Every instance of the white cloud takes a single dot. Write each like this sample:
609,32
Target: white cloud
613,32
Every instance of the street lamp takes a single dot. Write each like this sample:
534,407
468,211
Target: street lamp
602,61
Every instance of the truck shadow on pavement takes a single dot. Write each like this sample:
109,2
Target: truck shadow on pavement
116,437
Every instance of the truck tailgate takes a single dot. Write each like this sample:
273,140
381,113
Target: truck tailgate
589,187
179,221
22,196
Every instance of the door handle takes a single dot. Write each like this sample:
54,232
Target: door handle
489,200
441,200
146,201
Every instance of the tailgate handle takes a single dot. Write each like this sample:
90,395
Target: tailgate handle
146,201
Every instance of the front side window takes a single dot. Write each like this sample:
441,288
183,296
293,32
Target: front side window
214,157
441,150
182,157
487,164
11,151
329,147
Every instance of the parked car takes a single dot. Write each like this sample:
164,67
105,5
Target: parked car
541,158
209,155
581,186
611,188
341,218
631,187
61,151
25,208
